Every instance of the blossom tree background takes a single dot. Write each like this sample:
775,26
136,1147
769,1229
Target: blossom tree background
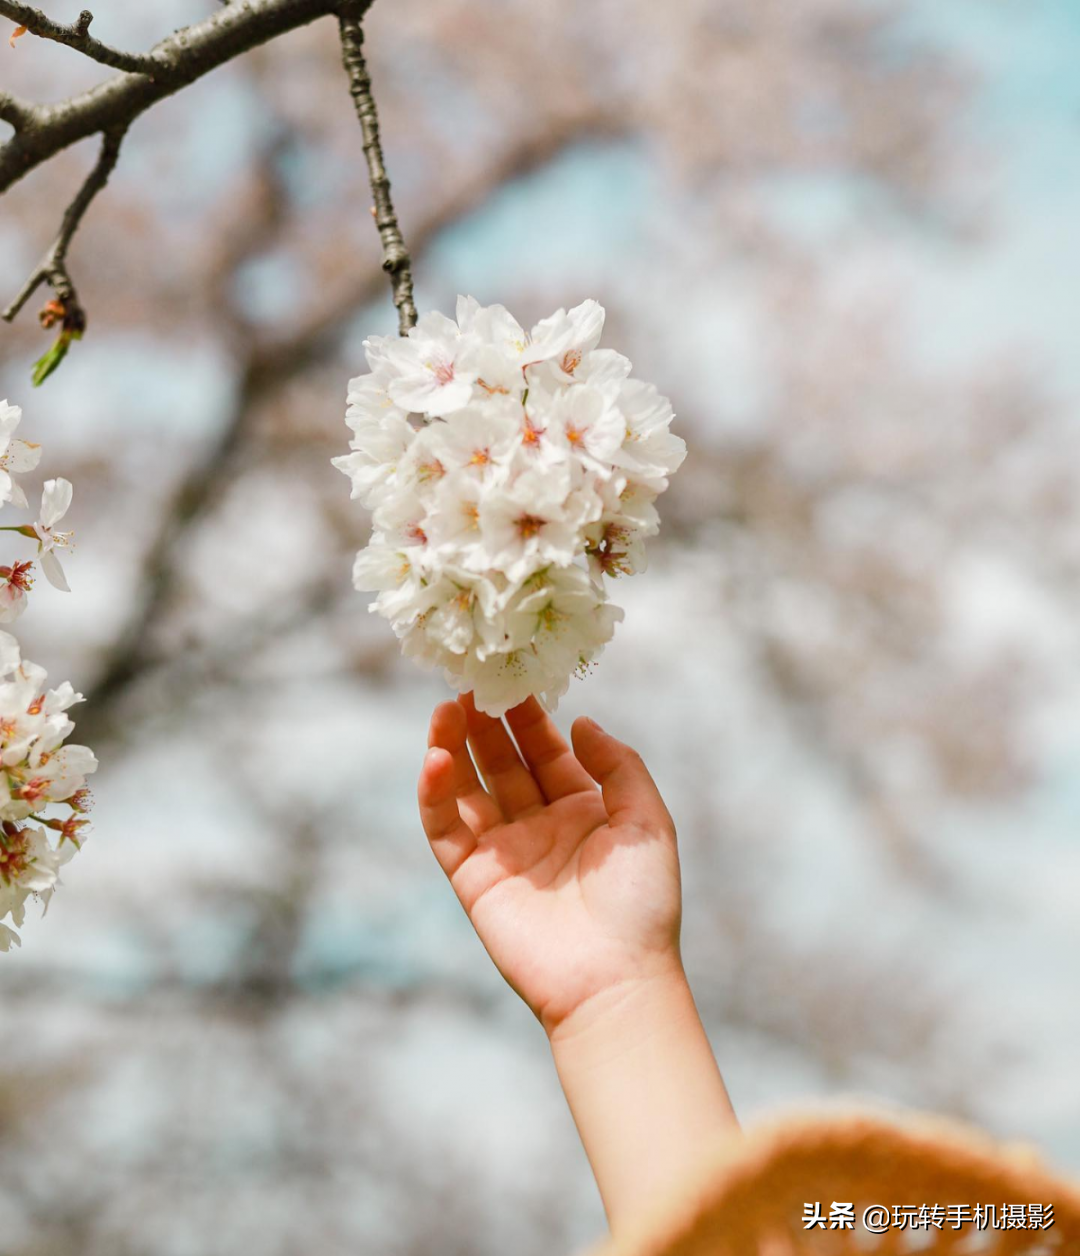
839,236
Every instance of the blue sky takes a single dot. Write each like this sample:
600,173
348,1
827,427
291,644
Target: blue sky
1023,286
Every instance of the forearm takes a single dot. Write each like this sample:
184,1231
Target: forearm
644,1089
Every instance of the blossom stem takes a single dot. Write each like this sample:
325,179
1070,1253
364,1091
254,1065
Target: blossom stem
52,269
396,260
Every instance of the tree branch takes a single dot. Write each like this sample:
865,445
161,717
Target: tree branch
180,59
109,109
17,113
52,269
396,261
78,36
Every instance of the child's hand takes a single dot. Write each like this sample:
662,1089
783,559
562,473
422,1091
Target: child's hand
574,893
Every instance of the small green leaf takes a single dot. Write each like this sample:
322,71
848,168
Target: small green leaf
51,358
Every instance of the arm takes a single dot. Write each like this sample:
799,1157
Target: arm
575,893
644,1089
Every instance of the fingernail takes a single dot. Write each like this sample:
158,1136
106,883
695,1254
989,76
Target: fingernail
589,720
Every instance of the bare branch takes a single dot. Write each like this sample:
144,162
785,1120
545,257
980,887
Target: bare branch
183,57
17,113
78,36
396,261
52,269
109,109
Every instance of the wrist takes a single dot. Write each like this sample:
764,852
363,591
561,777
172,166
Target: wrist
626,1010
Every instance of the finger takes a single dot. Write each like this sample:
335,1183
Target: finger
478,809
452,841
547,756
510,782
630,794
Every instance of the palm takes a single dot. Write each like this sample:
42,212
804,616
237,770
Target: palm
569,890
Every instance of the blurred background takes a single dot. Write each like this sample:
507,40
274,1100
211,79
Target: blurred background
842,236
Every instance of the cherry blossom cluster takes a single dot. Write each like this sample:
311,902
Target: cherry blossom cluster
509,473
36,769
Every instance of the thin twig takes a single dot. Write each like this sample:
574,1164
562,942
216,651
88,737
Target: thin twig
77,35
396,261
52,269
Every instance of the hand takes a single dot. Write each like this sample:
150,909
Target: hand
574,892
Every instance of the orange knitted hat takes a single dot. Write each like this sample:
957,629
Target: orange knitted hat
859,1184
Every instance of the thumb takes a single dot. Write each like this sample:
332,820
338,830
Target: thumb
630,793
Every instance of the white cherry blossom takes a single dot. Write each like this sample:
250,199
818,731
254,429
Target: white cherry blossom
16,456
392,574
452,526
29,866
650,451
510,475
15,582
565,616
500,681
586,424
368,398
564,338
36,770
55,502
378,447
501,344
481,440
431,365
526,524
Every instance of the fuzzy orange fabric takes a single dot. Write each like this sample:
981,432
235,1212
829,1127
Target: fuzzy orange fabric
750,1197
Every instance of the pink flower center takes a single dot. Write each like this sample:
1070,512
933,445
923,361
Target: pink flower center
14,853
528,525
444,372
18,575
33,789
69,830
80,800
611,553
531,435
